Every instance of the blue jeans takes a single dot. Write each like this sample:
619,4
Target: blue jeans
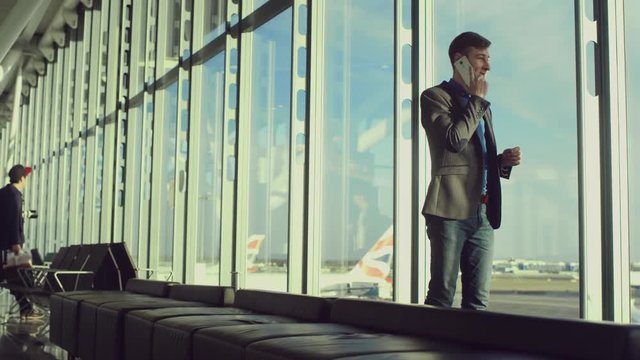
466,245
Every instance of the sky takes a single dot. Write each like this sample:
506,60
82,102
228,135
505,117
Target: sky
533,96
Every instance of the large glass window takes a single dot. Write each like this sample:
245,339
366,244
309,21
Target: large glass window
210,172
357,149
172,36
167,150
632,29
215,14
268,192
134,172
532,89
252,5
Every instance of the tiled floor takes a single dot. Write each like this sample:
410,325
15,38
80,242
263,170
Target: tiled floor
22,340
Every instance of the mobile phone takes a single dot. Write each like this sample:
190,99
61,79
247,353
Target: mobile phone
463,67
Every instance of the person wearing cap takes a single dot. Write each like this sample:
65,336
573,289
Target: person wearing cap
11,219
463,203
12,227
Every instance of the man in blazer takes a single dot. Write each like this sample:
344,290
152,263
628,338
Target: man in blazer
463,203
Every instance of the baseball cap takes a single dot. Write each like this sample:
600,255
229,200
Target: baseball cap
18,171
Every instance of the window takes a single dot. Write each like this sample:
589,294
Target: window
210,172
532,89
356,183
268,168
632,29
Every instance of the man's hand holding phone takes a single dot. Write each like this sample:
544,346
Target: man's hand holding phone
476,84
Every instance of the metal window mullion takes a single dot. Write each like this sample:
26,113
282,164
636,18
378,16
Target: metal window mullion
135,126
121,119
193,182
50,151
89,227
75,221
124,218
144,225
65,142
21,139
589,180
180,193
424,64
297,203
158,136
26,138
33,195
61,150
616,271
55,153
17,138
147,136
52,179
245,108
3,141
156,178
44,160
101,121
623,168
32,129
195,120
404,213
315,146
229,157
112,114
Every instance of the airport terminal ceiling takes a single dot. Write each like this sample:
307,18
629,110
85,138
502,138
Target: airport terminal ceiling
277,144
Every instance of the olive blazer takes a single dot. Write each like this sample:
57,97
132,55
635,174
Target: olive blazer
456,155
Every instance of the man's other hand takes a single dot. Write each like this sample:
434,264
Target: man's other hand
511,157
16,249
478,86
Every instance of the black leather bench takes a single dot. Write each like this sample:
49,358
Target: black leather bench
460,332
65,307
230,342
172,337
109,335
264,325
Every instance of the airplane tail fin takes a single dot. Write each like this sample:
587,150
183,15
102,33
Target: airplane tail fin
376,263
253,249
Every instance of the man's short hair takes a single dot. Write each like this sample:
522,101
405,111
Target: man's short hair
464,41
17,172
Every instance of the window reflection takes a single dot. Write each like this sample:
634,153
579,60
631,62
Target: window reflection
268,200
532,90
214,19
134,172
139,29
357,155
632,49
172,35
167,150
252,5
210,172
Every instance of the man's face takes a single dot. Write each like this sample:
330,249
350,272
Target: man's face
479,59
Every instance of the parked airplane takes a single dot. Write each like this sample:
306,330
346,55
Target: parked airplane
370,277
253,248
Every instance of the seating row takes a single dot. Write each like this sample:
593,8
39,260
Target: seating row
169,321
